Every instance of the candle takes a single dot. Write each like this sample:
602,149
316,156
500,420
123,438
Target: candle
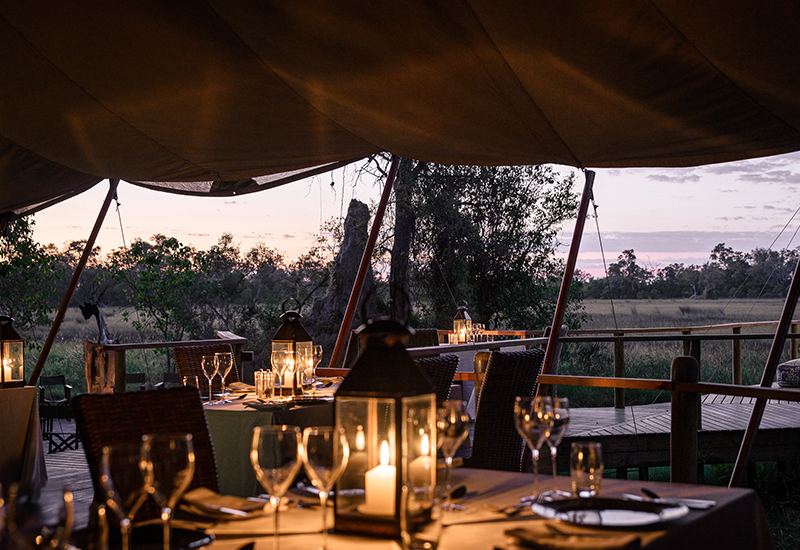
419,471
380,486
6,373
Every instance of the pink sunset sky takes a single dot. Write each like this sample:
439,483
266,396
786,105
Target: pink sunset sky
666,215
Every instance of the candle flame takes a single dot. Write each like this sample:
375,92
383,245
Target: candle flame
384,453
425,445
360,443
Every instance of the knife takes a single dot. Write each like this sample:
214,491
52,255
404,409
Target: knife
225,510
694,503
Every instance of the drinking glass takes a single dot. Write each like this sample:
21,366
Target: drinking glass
122,476
586,468
210,371
414,533
169,468
560,424
317,356
452,425
190,381
533,418
224,363
325,455
280,362
275,456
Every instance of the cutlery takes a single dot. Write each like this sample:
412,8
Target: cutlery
696,504
226,510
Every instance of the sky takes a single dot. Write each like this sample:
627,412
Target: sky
666,215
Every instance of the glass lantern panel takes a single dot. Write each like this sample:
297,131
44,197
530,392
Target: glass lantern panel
419,442
368,484
12,361
463,329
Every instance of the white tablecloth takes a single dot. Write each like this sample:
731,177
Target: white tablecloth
21,448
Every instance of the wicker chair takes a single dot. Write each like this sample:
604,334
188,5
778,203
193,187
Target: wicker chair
424,337
440,371
496,444
108,419
188,361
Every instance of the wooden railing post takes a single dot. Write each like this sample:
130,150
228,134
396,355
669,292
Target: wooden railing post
687,345
683,437
116,364
619,370
737,357
793,330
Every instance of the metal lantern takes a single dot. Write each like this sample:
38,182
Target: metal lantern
294,350
12,374
462,324
387,408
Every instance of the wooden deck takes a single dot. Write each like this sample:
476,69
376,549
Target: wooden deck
638,436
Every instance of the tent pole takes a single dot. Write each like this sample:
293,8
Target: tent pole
355,294
569,269
767,377
112,192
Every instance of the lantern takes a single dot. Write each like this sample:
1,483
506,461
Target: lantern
12,374
462,324
387,408
292,351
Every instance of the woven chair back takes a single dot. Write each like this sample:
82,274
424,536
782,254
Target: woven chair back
108,419
188,361
496,444
424,337
440,370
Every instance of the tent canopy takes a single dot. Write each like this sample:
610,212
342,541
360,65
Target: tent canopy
216,94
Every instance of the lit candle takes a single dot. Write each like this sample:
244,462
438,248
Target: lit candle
380,486
419,471
6,373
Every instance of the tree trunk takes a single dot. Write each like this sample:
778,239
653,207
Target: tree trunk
404,223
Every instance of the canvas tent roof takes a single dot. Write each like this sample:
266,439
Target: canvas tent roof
228,90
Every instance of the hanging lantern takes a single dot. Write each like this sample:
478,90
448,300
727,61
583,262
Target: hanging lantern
12,374
462,324
292,349
387,408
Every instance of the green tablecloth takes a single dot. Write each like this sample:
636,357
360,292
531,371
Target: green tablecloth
231,429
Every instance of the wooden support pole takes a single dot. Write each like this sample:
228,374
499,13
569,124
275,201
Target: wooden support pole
737,358
687,344
683,436
566,282
794,342
768,376
619,370
358,284
73,284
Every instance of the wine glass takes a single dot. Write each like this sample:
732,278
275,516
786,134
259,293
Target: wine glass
275,456
325,455
317,355
280,361
560,424
122,476
210,371
224,362
533,418
452,424
169,468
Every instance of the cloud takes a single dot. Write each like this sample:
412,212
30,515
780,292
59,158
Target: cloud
287,236
678,243
677,178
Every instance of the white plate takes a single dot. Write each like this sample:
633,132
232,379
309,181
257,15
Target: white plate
609,512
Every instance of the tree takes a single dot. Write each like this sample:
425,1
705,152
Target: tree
627,278
29,277
487,235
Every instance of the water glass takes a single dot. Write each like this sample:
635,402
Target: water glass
586,469
191,381
416,531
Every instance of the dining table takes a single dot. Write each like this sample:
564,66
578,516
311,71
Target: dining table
734,520
21,447
231,424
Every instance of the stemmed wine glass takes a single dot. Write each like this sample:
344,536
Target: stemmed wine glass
317,356
275,456
224,362
169,468
122,476
325,455
560,424
452,424
533,418
280,362
210,371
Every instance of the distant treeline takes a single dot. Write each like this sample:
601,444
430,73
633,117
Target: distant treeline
761,273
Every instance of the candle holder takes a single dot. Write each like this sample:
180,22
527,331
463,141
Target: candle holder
387,407
293,339
462,324
12,364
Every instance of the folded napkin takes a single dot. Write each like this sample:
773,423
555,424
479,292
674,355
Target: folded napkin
540,537
206,503
241,387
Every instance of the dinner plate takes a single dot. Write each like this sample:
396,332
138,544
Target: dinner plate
150,537
609,512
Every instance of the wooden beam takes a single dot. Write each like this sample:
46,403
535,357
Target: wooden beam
112,192
569,270
684,422
766,379
358,284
